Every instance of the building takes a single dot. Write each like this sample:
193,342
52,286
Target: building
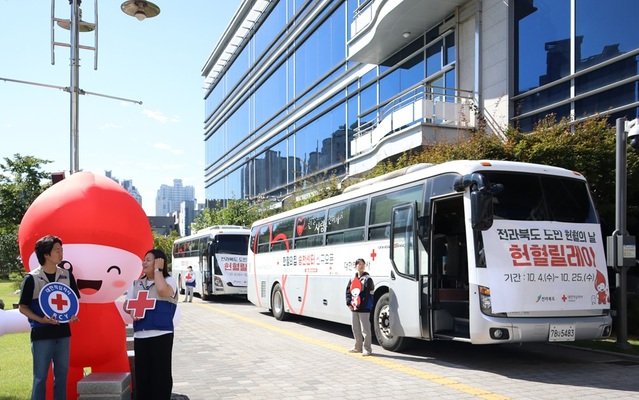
163,225
186,215
128,185
169,198
301,89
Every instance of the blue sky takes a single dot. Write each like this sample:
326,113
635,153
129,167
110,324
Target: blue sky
157,61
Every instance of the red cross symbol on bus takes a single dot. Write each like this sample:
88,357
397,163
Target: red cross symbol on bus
140,304
373,255
59,302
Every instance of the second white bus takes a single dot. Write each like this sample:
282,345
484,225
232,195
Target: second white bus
476,251
218,257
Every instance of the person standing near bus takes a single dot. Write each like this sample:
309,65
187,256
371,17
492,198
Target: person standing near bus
50,339
189,284
153,327
359,299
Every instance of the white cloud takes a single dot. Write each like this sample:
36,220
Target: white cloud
164,146
156,115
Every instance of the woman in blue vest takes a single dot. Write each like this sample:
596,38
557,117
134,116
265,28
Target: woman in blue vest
152,301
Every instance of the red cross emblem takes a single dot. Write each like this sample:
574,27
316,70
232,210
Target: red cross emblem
59,302
140,304
373,255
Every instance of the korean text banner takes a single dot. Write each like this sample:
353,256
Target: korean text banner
546,266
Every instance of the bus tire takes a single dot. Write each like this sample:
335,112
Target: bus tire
277,304
381,324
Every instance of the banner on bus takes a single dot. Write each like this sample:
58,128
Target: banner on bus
233,268
546,266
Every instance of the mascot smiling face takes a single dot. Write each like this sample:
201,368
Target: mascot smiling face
104,232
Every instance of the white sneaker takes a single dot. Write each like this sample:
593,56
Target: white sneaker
354,350
366,354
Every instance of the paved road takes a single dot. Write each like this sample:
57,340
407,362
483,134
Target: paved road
228,349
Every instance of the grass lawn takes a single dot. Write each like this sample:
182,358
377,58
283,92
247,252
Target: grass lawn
610,345
15,363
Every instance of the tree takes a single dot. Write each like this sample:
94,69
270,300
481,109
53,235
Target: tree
323,187
236,212
9,252
165,243
21,181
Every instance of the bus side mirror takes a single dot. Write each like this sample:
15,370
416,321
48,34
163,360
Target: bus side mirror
481,206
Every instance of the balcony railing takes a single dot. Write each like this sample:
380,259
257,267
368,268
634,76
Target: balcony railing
425,104
363,16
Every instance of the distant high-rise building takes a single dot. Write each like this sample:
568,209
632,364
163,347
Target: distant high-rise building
128,185
169,198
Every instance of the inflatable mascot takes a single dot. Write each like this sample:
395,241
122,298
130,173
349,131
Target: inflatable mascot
105,234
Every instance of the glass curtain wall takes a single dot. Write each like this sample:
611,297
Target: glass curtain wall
253,139
575,74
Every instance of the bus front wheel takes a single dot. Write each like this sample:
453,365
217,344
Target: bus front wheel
277,304
381,323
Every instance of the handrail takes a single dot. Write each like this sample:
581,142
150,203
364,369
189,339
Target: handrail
422,92
362,7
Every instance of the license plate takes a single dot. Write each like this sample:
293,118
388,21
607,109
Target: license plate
561,333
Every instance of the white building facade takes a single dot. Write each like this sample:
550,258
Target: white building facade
301,90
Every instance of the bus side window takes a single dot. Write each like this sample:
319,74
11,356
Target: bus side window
379,232
282,235
351,215
309,230
175,250
263,240
346,223
311,241
382,207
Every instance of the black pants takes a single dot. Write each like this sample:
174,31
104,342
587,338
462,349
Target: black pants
153,377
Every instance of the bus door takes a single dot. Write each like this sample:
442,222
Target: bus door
448,269
405,284
206,271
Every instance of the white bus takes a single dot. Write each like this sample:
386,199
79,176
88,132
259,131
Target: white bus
475,251
218,257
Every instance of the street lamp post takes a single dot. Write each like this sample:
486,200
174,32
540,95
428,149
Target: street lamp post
621,246
74,87
138,8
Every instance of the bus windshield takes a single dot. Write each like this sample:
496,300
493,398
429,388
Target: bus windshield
528,197
231,244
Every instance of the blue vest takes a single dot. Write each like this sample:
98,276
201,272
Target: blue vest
161,317
39,281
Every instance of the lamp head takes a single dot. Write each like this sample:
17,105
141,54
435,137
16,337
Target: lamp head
140,9
140,14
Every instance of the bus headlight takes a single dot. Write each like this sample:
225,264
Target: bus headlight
484,300
218,282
